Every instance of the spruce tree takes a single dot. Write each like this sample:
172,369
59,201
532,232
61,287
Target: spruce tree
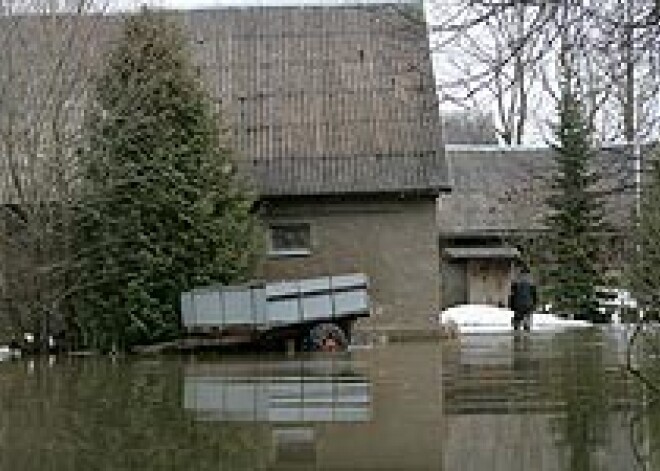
164,210
645,269
575,219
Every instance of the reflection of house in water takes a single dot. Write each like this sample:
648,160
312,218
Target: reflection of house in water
521,403
378,409
290,397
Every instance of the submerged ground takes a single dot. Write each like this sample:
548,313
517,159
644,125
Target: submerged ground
551,401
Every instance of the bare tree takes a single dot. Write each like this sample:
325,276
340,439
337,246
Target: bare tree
610,44
45,60
510,87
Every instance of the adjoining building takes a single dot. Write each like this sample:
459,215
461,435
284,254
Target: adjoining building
482,211
498,201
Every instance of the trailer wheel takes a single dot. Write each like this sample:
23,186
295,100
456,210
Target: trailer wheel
326,338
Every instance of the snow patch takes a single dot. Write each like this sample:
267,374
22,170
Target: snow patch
480,318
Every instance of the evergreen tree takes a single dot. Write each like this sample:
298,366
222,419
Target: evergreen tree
645,271
164,209
575,218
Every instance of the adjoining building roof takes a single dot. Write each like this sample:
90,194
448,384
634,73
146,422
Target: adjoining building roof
482,252
503,189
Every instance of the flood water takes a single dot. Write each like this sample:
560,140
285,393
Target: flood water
542,402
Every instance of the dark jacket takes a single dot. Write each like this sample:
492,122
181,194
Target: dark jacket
523,295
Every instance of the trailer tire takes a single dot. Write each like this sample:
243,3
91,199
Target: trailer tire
326,337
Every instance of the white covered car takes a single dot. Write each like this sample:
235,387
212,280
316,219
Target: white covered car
478,318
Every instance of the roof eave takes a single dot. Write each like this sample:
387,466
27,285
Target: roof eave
433,192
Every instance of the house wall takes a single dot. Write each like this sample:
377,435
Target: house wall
393,241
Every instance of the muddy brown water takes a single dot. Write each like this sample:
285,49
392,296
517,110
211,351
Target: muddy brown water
538,402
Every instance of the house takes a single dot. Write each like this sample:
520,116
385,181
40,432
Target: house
333,111
384,228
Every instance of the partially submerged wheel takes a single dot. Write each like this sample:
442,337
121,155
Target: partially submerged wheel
326,337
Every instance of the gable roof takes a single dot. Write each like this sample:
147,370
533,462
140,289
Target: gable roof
326,100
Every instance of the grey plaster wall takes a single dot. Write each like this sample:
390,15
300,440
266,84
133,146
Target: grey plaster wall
393,241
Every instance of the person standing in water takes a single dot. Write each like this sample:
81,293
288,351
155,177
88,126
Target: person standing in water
522,300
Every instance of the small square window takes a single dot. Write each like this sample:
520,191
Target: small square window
290,239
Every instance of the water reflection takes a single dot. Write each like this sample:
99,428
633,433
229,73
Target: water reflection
292,395
593,408
378,409
539,401
550,402
307,390
375,409
92,414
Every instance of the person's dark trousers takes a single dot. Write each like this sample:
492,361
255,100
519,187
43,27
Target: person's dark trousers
522,319
517,319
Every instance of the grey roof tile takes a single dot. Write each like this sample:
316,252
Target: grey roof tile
423,173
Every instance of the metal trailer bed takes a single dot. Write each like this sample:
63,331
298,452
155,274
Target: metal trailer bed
296,308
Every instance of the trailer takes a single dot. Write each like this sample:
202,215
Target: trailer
313,313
